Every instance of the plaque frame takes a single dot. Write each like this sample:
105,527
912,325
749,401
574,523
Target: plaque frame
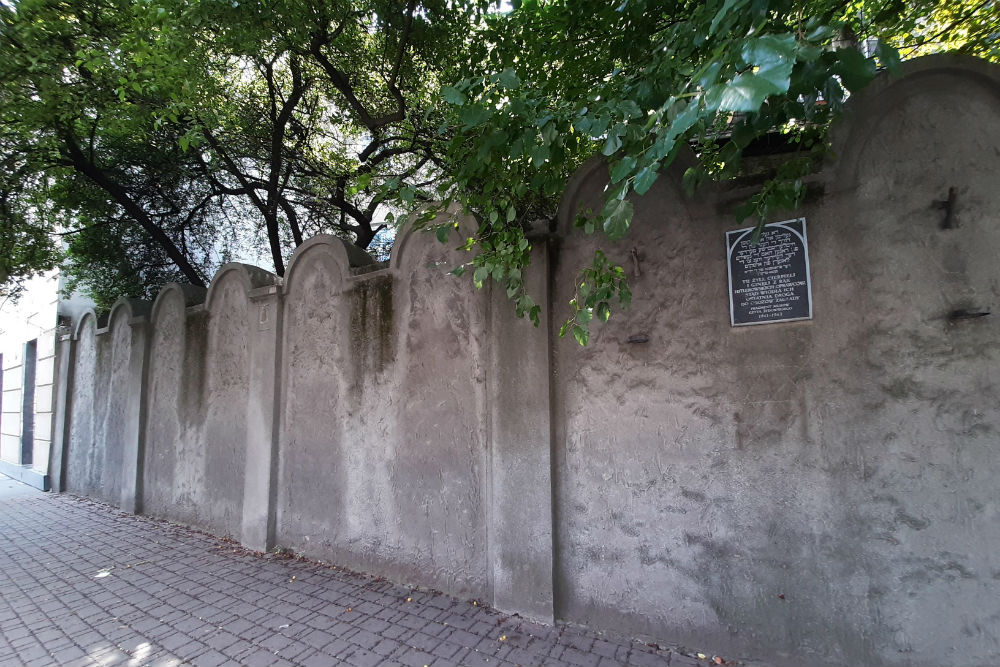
735,236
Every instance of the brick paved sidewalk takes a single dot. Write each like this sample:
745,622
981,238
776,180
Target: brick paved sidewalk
83,584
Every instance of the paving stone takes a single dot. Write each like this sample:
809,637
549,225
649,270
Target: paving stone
362,658
644,659
317,659
212,659
413,658
479,659
385,647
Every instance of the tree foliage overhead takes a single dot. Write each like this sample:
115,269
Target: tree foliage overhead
637,81
184,125
160,135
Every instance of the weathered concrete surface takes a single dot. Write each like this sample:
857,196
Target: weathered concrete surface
521,471
85,455
820,491
370,476
174,457
106,432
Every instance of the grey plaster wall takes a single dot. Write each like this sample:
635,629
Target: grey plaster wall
86,460
371,476
820,491
817,492
101,426
174,470
226,387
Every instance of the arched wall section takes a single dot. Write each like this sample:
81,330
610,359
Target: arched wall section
380,456
820,488
102,430
174,467
441,443
83,458
311,503
226,387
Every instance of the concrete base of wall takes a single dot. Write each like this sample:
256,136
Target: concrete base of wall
25,474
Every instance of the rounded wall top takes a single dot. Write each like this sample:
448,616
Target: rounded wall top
253,277
589,181
134,308
82,320
343,254
191,295
851,134
412,245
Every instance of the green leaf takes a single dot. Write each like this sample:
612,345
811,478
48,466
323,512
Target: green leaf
602,311
442,233
539,154
745,93
727,7
453,95
623,168
854,69
666,140
581,335
778,74
508,79
481,273
612,144
889,57
644,180
617,218
474,115
709,74
769,49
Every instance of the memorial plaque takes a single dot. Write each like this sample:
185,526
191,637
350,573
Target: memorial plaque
769,281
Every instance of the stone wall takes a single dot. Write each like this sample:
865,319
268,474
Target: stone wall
819,491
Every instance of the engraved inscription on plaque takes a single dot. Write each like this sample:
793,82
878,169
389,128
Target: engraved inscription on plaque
769,281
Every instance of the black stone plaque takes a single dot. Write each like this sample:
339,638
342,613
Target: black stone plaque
769,282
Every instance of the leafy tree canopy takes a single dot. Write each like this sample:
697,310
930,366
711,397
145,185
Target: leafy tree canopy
637,81
157,136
